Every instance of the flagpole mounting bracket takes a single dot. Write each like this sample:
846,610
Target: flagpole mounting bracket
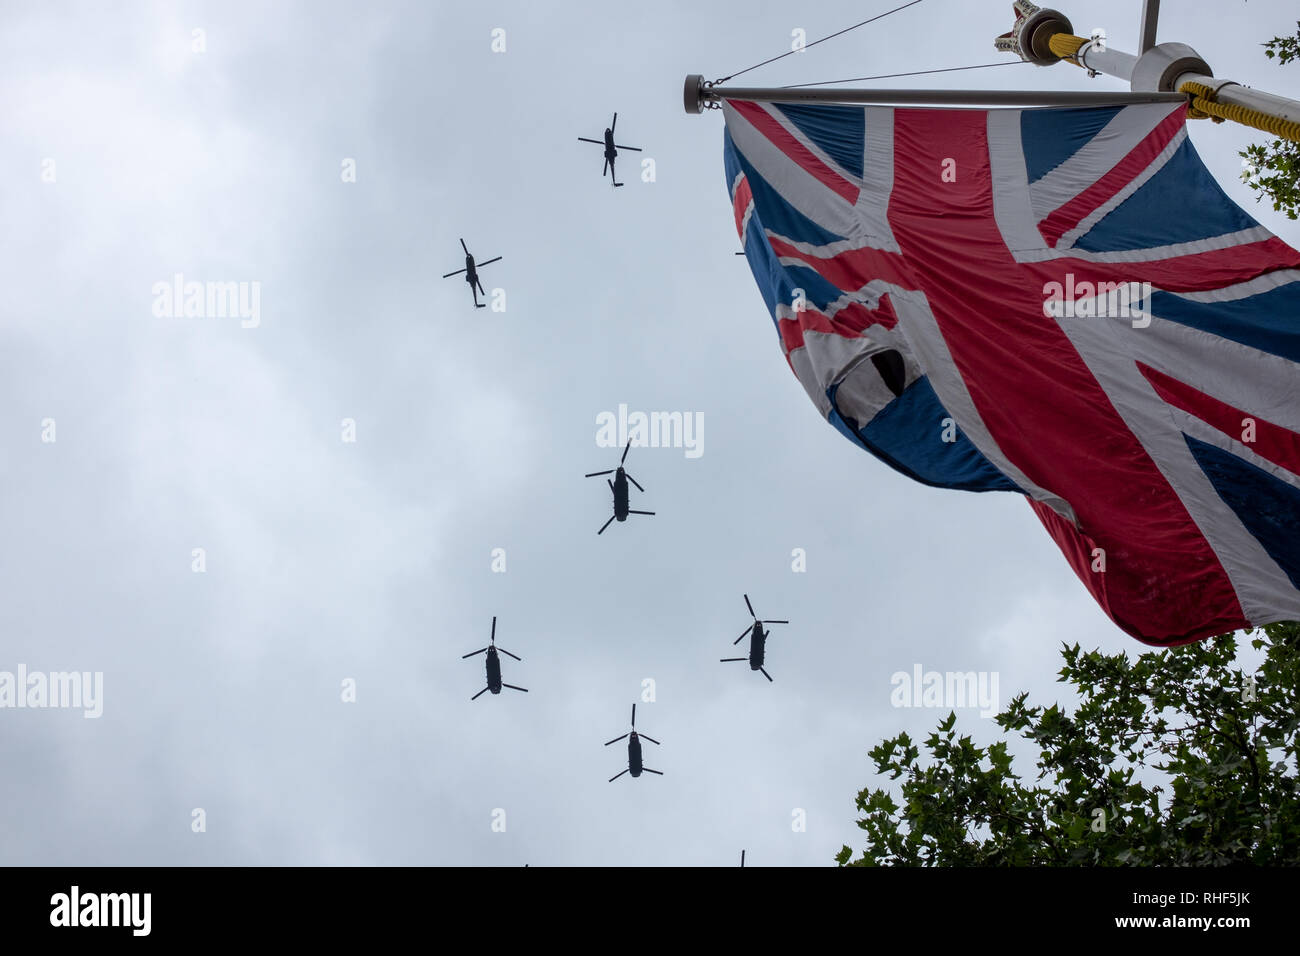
698,95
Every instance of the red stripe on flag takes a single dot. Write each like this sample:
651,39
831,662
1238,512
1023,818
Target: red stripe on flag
1193,272
852,269
849,322
740,203
1279,445
1103,190
781,138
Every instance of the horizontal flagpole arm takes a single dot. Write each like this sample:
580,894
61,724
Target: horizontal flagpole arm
698,96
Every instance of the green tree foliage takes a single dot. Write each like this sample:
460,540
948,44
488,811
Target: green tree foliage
1273,170
1186,767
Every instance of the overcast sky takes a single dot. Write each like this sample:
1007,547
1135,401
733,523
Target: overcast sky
371,560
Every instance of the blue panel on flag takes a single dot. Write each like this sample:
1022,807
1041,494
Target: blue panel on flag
898,437
1269,508
778,215
1148,217
839,131
1050,137
1264,321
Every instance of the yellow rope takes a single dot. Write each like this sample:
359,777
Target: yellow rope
1066,46
1203,104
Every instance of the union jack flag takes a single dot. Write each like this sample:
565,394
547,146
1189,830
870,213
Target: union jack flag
1057,302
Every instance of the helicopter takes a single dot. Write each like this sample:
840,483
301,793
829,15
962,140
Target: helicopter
494,682
619,487
757,642
634,765
471,275
611,149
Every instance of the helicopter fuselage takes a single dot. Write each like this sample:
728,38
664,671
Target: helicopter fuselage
757,646
620,495
471,274
493,671
634,754
611,151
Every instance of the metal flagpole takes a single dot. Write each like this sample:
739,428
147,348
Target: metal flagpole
1045,37
699,95
1161,72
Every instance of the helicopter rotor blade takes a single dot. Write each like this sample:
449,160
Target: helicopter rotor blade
456,273
515,656
765,673
634,716
604,168
626,449
742,858
481,290
494,628
490,261
649,738
513,687
479,694
648,770
617,775
742,636
615,740
751,608
631,512
611,486
776,622
472,653
725,660
595,474
614,124
635,149
605,525
635,482
598,142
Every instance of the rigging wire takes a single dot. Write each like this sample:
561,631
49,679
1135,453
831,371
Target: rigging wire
890,76
815,42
